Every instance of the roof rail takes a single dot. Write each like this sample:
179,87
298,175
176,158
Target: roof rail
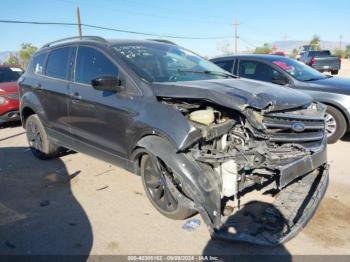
163,41
88,37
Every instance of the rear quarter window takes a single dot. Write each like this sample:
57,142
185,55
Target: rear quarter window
38,64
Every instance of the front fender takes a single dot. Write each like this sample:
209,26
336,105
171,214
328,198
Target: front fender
198,181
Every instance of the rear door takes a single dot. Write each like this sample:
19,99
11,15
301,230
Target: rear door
51,88
98,119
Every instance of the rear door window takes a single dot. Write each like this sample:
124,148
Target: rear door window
57,63
91,64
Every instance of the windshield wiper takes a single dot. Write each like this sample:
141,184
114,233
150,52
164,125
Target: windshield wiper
314,79
207,72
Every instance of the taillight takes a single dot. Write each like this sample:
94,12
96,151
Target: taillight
312,61
339,60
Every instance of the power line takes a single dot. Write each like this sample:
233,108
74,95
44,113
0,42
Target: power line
203,15
113,29
247,42
128,11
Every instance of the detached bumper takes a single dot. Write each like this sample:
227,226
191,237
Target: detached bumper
272,224
10,116
303,166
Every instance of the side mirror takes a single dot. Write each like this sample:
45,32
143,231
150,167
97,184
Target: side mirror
106,83
280,80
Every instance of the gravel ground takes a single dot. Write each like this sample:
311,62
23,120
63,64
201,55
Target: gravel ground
80,205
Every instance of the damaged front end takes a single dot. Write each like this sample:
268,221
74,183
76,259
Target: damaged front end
279,153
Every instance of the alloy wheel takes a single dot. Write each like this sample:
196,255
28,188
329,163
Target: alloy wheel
155,177
34,137
331,124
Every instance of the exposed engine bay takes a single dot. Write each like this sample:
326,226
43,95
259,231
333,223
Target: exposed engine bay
253,150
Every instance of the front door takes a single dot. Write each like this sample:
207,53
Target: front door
98,119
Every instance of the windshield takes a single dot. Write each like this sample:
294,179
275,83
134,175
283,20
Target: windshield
319,53
167,63
7,75
298,70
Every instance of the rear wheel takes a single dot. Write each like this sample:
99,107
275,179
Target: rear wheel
155,176
37,139
335,124
334,72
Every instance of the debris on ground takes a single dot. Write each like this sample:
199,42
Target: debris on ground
102,188
192,224
44,203
104,172
9,244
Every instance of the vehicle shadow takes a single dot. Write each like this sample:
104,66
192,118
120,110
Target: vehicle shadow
242,221
39,214
10,124
346,137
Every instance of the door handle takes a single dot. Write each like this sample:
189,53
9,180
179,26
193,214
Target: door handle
39,87
75,97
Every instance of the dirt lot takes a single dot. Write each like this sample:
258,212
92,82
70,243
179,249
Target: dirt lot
80,205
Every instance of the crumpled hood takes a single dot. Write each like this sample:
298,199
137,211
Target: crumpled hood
235,93
9,87
333,84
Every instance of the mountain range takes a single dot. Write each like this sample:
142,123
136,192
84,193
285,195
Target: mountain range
288,46
4,56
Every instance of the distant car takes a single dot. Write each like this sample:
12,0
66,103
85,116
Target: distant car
298,57
322,61
9,89
280,53
332,91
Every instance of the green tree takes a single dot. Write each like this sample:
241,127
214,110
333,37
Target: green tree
347,49
265,49
339,52
26,52
13,60
294,53
316,42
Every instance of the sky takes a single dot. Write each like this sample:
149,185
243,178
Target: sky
260,21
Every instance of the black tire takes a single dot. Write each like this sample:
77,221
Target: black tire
340,122
37,139
334,72
164,202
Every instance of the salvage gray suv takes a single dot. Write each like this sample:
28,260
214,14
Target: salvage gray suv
200,138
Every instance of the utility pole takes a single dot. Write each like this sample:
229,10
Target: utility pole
79,23
235,25
340,41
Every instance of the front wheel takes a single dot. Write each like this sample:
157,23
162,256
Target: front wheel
335,124
155,174
37,139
